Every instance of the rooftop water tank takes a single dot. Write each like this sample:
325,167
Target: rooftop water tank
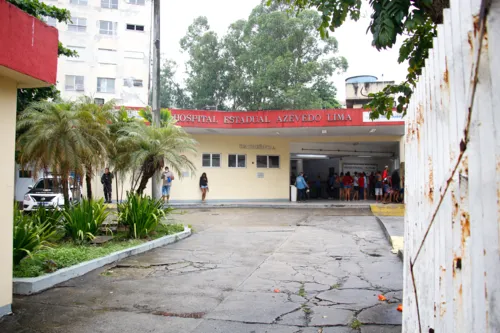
361,79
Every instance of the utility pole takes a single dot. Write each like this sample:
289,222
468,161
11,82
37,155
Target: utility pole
156,82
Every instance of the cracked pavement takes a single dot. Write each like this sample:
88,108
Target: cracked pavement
243,270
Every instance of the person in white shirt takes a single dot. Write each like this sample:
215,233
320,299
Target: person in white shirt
167,177
355,196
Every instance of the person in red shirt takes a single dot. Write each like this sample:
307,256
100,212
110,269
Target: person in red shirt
385,173
361,183
348,185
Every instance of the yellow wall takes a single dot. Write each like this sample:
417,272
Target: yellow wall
237,183
8,93
233,184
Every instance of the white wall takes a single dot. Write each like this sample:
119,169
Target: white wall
125,61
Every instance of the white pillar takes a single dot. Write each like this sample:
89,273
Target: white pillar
8,95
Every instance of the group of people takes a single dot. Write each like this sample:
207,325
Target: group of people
383,187
167,177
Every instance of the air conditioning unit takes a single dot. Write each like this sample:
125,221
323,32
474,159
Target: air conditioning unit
99,101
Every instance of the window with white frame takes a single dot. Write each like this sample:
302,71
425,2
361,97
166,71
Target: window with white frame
81,53
105,85
79,2
136,2
50,21
237,161
211,160
268,161
78,24
107,27
99,101
74,83
132,82
135,27
112,4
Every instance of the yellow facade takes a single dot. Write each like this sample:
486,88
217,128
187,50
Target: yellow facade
8,94
237,183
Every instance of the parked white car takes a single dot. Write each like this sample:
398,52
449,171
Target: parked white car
48,192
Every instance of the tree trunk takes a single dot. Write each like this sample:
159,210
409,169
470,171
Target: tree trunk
65,185
88,180
148,171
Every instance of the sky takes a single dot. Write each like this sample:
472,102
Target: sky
354,43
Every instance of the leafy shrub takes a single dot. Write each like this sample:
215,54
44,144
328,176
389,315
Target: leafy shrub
141,214
82,221
52,216
29,235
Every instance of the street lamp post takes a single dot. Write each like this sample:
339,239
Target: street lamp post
156,83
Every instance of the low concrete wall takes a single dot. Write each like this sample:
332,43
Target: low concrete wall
28,286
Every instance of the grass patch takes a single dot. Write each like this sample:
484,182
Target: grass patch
50,259
355,324
335,286
302,291
306,309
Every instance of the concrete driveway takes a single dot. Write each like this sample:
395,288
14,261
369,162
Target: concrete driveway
244,270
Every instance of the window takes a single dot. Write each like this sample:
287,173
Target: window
81,53
78,2
105,85
107,28
50,21
106,56
211,160
113,4
237,161
78,24
265,161
134,55
135,27
74,83
132,83
99,101
136,2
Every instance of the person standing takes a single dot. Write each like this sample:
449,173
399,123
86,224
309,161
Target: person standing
203,186
355,195
372,184
361,184
107,183
167,177
302,186
341,189
385,173
378,187
347,180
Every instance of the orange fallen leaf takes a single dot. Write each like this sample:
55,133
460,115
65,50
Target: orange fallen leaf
382,298
400,308
276,290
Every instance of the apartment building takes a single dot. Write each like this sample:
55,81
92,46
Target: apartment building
113,40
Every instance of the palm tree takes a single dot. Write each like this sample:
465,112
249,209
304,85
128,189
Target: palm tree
52,136
148,148
94,120
165,116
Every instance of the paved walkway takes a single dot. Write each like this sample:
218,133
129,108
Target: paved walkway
244,270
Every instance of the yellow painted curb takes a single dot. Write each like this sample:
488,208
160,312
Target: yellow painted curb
397,243
387,210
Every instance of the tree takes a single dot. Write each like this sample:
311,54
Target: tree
165,116
94,121
54,136
270,61
147,148
206,67
172,95
416,20
41,10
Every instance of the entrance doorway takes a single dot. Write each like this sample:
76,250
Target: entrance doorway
320,161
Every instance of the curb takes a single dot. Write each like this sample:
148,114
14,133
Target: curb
28,286
384,229
274,206
388,210
389,237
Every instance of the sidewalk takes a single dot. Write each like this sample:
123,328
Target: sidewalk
391,220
